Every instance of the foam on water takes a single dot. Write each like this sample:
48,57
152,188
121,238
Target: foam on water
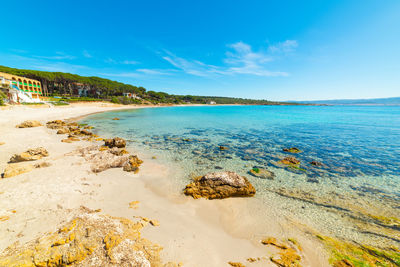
358,145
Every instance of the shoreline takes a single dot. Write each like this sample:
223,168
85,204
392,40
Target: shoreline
184,221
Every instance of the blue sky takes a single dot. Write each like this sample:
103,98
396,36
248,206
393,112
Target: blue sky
277,50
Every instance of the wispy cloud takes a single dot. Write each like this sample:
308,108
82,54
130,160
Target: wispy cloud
130,62
239,59
86,54
285,47
58,56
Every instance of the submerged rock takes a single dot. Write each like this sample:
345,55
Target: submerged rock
29,124
316,163
220,185
15,169
262,173
292,150
115,142
89,239
290,161
29,155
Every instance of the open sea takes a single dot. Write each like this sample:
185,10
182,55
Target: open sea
353,194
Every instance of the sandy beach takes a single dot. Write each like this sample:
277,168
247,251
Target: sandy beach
192,232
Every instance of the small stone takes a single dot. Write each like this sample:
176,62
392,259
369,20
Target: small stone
2,143
115,119
44,164
223,148
133,204
154,222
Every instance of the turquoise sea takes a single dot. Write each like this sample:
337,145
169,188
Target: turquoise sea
356,186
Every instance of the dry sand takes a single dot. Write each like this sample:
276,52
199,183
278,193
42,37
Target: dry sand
193,232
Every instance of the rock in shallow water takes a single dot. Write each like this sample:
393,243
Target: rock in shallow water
115,142
220,185
262,173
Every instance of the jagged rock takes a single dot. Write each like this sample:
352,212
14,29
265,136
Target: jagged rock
133,164
56,124
292,150
29,124
15,169
63,131
220,185
29,155
89,239
290,161
104,160
115,142
262,173
110,158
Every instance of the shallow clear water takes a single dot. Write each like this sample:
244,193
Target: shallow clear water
359,146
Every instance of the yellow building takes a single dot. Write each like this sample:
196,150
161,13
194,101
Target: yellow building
27,85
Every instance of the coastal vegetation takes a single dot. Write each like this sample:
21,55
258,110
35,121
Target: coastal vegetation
66,87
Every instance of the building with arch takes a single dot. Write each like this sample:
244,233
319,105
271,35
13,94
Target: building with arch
30,86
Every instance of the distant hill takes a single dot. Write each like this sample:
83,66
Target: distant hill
373,101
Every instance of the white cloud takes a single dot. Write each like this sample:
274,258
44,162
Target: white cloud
154,71
129,62
86,54
240,59
58,56
284,47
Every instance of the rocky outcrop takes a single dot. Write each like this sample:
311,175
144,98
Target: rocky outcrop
29,124
133,164
115,142
30,155
292,150
220,185
15,169
101,160
89,239
262,173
